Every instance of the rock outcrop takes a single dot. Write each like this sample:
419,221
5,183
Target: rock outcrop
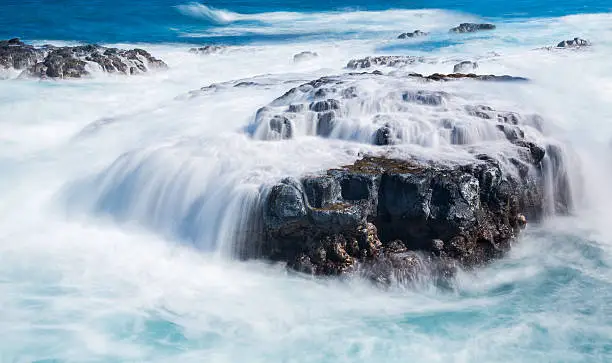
414,34
378,209
391,216
471,27
304,56
465,67
73,62
574,43
17,55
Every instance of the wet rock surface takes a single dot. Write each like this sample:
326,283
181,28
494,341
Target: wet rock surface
18,55
471,28
414,34
73,62
479,77
388,61
393,218
574,43
465,67
384,217
304,56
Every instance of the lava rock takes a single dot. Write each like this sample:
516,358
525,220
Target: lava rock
471,27
73,62
17,55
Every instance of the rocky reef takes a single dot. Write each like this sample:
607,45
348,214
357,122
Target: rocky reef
73,62
392,215
414,34
472,27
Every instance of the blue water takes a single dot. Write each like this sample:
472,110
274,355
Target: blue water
161,21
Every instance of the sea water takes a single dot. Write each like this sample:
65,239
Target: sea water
121,198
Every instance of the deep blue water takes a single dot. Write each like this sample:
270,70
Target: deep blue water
160,21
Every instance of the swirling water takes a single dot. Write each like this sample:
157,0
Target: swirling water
120,197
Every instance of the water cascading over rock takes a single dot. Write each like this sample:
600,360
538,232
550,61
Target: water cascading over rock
393,211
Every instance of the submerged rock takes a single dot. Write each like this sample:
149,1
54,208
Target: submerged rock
471,27
414,34
304,56
465,67
479,77
73,62
388,61
574,43
208,49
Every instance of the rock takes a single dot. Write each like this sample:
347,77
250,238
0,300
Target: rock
208,49
17,55
471,27
388,61
73,62
414,34
377,207
454,76
393,217
465,67
304,56
574,43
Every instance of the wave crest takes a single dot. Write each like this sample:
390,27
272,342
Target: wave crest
201,11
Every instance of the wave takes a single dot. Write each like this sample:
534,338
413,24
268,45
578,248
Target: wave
201,11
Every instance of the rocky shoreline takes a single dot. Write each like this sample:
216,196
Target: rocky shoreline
49,61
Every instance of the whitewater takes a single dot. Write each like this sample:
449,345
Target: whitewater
123,200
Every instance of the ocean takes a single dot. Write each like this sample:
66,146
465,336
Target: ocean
122,198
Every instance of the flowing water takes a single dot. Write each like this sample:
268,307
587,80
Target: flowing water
123,199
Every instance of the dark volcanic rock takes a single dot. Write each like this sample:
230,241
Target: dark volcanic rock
368,212
393,218
414,34
72,62
18,55
465,66
479,77
574,43
388,61
471,27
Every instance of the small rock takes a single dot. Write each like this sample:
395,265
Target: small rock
471,27
304,56
414,34
208,49
465,67
574,43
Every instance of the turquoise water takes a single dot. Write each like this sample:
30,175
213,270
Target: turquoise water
146,278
